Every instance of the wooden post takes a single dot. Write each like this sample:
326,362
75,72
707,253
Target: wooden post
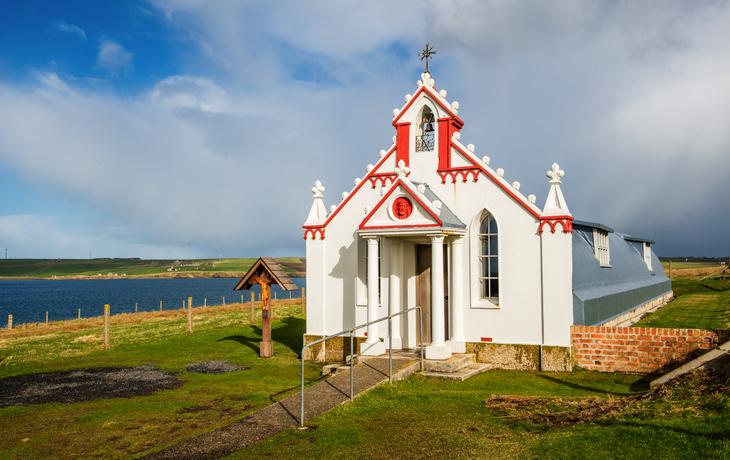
205,302
267,346
79,313
304,304
10,321
253,307
160,305
190,315
106,326
242,300
135,307
224,301
670,271
46,317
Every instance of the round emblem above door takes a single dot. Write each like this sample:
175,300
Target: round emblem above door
402,208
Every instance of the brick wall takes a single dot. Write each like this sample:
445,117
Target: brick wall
639,349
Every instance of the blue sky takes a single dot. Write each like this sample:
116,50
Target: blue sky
186,128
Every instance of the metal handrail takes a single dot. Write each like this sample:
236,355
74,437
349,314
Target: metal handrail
352,355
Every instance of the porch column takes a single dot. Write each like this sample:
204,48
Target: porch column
373,346
394,289
457,339
438,348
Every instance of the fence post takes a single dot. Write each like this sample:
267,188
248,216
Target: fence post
190,315
106,326
46,318
10,321
304,304
160,305
135,307
224,301
205,302
79,313
253,307
670,271
242,300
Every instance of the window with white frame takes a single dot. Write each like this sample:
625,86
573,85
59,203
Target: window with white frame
600,244
489,259
647,256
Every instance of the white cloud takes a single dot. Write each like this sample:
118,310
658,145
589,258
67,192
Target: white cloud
66,28
113,57
631,99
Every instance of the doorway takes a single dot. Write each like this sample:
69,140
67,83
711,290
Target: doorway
423,289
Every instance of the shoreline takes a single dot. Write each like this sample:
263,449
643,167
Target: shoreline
171,275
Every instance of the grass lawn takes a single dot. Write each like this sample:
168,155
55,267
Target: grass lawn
498,414
118,428
434,418
699,305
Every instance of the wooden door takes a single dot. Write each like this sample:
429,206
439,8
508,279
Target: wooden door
423,289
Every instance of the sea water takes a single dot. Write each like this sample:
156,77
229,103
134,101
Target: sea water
29,300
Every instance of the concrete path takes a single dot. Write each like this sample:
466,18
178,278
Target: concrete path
704,360
284,414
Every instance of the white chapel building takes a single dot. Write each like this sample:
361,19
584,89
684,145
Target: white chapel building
432,225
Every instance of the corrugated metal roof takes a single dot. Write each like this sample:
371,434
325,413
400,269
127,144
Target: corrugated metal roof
583,223
603,293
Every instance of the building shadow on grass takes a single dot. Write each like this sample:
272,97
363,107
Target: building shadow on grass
286,331
587,388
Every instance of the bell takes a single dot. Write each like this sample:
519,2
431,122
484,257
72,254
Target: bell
429,127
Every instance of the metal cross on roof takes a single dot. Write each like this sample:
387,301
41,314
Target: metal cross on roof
427,54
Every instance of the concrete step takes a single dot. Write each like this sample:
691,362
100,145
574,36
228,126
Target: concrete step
461,374
703,360
455,363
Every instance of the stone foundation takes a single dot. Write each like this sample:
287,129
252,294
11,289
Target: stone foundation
523,357
334,350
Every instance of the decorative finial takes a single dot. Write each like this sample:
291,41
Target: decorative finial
555,174
427,53
402,170
318,189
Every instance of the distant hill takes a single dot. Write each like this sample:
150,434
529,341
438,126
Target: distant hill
137,268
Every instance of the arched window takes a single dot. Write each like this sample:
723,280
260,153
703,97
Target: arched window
488,258
425,141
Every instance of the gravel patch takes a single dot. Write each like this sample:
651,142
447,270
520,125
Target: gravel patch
85,385
214,367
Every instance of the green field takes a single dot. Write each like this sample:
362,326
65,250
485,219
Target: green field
698,305
48,268
690,263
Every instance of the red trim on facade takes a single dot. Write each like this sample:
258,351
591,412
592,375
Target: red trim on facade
380,227
498,182
367,176
383,178
313,231
565,221
454,172
385,198
444,143
436,100
486,339
402,142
